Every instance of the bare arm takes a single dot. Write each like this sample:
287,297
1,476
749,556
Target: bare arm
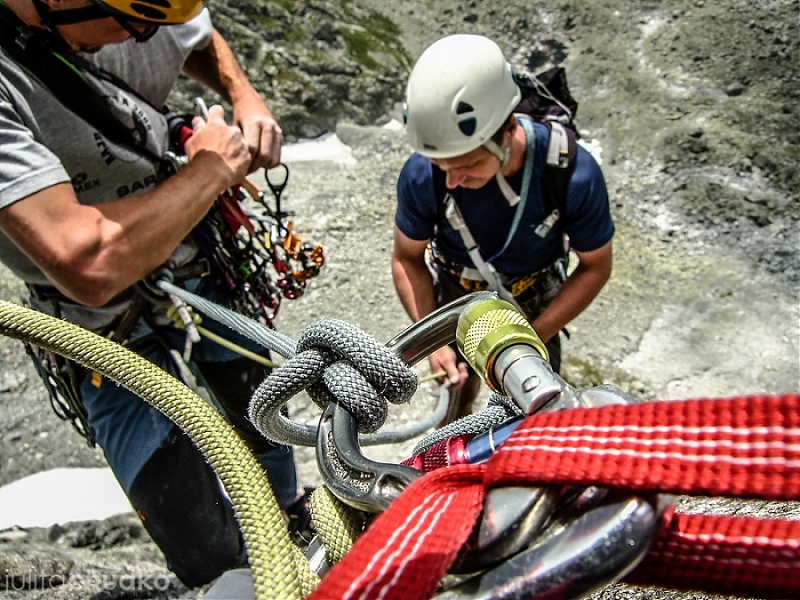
412,280
578,291
414,285
92,253
216,67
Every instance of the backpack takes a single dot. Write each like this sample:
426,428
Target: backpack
545,98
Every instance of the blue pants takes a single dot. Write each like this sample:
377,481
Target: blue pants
170,485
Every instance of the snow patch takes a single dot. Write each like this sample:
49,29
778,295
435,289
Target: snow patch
59,496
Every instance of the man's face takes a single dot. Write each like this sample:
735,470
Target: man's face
472,170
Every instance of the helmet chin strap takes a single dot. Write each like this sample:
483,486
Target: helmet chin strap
502,155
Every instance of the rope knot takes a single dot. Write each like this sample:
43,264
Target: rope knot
334,362
360,373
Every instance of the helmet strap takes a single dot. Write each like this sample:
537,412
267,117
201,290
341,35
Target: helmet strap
69,16
51,36
500,153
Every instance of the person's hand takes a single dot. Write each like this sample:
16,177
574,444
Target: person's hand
262,133
225,141
444,359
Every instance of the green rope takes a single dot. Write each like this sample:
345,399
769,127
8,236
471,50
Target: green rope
338,524
278,567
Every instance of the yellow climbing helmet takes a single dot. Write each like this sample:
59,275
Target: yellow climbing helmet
160,12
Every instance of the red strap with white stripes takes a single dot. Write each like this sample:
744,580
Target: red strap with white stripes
738,447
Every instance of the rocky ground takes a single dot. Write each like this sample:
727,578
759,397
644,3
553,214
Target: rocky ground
694,105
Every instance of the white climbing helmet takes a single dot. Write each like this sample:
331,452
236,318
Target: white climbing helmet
459,93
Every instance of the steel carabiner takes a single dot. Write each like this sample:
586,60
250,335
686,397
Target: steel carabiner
363,483
571,558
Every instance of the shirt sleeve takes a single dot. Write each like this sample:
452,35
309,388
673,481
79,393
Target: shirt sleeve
27,166
416,213
152,69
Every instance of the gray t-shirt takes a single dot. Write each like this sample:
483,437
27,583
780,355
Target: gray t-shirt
153,67
45,143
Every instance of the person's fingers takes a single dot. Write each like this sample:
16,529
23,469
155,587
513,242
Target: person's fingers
265,139
216,112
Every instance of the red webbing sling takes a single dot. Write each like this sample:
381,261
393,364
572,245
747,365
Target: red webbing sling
738,447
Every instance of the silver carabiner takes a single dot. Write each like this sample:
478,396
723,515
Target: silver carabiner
363,483
571,558
200,108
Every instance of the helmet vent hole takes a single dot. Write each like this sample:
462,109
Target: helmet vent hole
468,125
463,107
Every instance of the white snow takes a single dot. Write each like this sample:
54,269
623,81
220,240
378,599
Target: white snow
326,147
60,496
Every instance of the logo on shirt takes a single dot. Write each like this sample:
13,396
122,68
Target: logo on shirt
82,183
137,186
105,151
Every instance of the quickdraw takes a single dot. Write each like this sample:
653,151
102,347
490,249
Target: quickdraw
257,258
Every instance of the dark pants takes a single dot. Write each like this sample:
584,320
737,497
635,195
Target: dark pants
174,491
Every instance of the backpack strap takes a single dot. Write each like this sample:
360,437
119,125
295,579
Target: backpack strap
562,150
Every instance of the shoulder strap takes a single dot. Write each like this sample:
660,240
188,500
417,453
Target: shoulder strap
561,152
486,269
439,191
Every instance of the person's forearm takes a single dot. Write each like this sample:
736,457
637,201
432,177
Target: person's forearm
94,252
216,67
139,234
575,295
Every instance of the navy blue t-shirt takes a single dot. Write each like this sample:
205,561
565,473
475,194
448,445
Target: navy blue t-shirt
489,217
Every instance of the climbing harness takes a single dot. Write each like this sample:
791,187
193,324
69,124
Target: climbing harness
555,492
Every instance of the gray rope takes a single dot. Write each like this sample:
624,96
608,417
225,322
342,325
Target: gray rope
335,361
250,328
498,410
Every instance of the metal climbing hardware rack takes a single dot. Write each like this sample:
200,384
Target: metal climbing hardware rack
252,253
